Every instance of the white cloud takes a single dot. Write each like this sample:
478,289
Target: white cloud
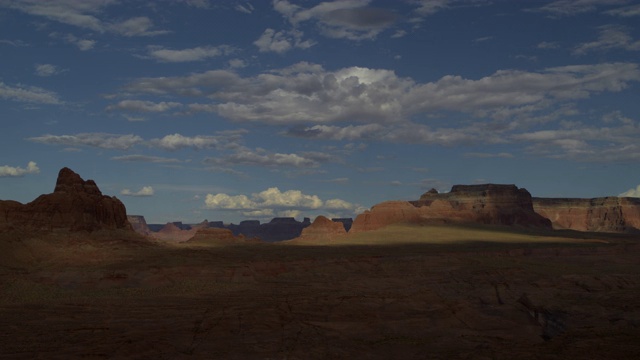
237,63
144,106
10,171
178,141
145,158
99,140
145,191
627,11
86,15
289,203
338,204
503,155
273,197
573,7
186,55
261,157
345,19
247,8
611,37
282,41
228,202
548,45
306,93
631,193
430,7
30,94
47,70
82,44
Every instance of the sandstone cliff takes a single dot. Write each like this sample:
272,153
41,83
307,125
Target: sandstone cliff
488,204
218,236
139,224
75,205
606,214
323,229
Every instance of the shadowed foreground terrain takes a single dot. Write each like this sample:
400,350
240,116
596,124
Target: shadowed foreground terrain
404,292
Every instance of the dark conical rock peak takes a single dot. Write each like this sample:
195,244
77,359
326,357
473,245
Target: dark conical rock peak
70,182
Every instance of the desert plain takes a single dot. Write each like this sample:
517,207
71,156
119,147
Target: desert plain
400,292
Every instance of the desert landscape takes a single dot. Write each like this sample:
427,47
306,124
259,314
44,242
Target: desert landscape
474,273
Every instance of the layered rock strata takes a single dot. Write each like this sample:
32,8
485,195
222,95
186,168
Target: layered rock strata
605,214
488,204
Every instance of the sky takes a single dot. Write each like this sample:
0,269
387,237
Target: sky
232,110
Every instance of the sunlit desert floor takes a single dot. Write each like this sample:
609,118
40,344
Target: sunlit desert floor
404,292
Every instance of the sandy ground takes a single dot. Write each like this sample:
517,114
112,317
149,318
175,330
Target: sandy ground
530,298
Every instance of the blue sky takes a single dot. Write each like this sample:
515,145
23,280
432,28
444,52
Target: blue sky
229,110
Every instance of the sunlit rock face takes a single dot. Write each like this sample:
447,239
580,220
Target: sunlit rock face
323,229
139,224
75,205
606,214
489,204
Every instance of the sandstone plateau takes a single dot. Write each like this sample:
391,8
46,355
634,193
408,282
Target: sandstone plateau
74,205
606,214
488,204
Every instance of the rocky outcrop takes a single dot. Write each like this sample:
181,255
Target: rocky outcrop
488,204
74,205
139,224
323,229
606,214
218,236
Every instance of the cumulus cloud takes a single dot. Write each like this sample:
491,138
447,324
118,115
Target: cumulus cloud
282,41
145,191
611,37
186,55
344,19
99,140
307,93
273,200
144,106
29,94
10,171
631,193
229,202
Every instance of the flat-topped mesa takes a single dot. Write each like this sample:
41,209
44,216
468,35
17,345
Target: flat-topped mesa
490,204
75,205
605,214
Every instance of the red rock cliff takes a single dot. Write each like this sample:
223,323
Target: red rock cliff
607,214
480,204
74,205
323,229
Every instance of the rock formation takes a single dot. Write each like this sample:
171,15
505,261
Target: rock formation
218,236
488,204
323,229
75,205
139,224
606,214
